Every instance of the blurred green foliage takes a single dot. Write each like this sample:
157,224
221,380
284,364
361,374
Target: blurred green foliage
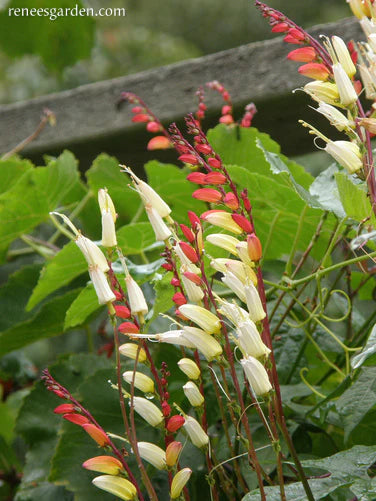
66,52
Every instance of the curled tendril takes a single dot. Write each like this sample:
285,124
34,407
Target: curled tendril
302,372
347,312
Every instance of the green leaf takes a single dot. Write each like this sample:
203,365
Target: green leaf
163,295
82,307
324,189
135,238
28,202
171,184
354,198
11,170
105,173
47,322
356,401
68,264
369,350
58,38
345,468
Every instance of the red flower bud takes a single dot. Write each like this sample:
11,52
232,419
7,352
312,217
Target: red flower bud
226,109
187,232
96,434
179,298
215,163
215,178
137,109
166,408
167,266
202,106
317,71
302,55
194,219
76,419
242,222
175,423
196,177
207,195
59,393
192,277
189,159
280,28
118,295
294,32
122,311
226,119
159,143
231,201
128,328
153,127
206,149
225,95
64,409
254,247
175,282
141,117
189,252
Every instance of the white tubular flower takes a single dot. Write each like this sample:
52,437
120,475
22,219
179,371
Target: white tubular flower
233,312
203,342
147,410
148,195
202,317
369,81
194,292
254,305
222,219
235,285
119,486
141,381
179,481
193,394
136,297
130,350
152,454
368,26
335,117
256,375
101,286
250,341
242,250
226,242
241,271
343,56
105,203
190,368
108,230
372,41
174,337
346,90
161,230
323,91
346,154
196,434
219,264
92,253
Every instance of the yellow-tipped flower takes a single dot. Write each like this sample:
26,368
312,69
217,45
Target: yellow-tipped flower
254,305
323,91
226,242
203,342
172,453
118,486
147,410
101,286
193,394
358,8
222,219
256,375
148,195
347,93
179,481
141,381
152,454
346,154
104,464
250,341
161,230
196,434
202,317
236,285
136,297
130,350
343,56
190,368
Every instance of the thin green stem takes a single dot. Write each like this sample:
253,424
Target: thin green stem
295,242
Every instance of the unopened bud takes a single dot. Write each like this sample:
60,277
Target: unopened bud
104,464
96,434
152,454
119,486
189,252
141,381
358,8
196,434
179,481
159,143
65,408
130,350
175,423
202,317
254,247
147,410
343,56
231,201
346,90
302,55
193,394
106,204
256,375
190,368
76,418
172,453
316,71
207,195
215,178
122,311
128,328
